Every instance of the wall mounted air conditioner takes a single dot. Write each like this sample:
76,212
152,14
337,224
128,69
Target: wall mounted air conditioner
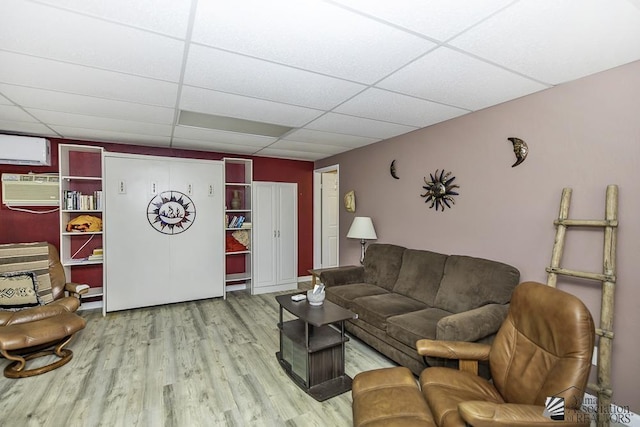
24,150
30,189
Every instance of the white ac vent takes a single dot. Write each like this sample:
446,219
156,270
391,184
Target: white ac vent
24,150
30,189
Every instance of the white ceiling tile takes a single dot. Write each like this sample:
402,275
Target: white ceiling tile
262,79
222,137
88,41
59,76
71,132
219,103
340,123
194,144
435,18
55,118
453,78
329,138
11,112
290,154
380,104
558,40
80,104
30,128
164,16
4,101
311,35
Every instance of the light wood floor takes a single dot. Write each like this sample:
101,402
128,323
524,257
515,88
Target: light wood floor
203,363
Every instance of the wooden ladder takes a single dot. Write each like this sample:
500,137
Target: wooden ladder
608,279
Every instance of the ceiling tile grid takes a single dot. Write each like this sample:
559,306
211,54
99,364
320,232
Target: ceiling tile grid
341,73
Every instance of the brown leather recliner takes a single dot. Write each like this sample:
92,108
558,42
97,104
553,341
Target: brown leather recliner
541,353
31,332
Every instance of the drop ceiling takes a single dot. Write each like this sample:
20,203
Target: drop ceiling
341,74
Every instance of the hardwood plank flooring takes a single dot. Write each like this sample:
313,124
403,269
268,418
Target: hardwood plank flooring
201,363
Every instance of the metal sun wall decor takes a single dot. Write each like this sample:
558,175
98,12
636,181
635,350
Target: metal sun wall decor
440,190
520,148
171,212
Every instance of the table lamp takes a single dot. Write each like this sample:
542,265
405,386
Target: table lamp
362,228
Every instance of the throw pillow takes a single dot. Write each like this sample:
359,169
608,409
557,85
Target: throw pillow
18,291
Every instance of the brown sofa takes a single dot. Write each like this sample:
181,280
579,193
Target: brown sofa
402,295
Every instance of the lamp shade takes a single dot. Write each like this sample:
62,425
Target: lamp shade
362,228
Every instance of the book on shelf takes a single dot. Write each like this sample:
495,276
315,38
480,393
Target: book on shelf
96,255
77,201
236,221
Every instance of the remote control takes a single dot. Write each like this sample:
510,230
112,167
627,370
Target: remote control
298,297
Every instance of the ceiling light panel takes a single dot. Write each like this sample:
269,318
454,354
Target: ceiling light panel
230,124
553,41
393,107
328,39
262,79
340,123
82,40
329,138
59,76
435,18
222,137
169,17
81,104
453,78
242,107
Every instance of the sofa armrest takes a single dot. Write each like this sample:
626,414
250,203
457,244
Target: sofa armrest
458,350
472,325
486,414
342,276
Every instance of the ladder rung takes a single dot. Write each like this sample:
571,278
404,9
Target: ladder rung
595,387
583,275
587,222
603,333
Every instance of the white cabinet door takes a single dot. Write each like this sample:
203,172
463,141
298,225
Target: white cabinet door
275,235
163,219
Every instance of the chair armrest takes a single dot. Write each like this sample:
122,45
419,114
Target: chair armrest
76,288
472,325
459,350
342,276
489,414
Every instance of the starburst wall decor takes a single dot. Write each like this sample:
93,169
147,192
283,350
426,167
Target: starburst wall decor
171,212
440,190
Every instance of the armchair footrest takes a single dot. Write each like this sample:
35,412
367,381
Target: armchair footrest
389,396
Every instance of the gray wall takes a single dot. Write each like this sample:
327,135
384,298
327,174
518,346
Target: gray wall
584,135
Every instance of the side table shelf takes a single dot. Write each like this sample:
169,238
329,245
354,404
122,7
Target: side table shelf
312,349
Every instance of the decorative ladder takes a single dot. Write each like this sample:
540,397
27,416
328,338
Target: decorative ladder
608,279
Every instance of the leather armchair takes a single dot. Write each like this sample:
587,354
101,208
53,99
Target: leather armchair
30,333
543,349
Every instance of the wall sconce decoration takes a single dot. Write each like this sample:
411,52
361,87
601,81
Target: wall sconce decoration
440,190
392,170
362,228
520,148
350,201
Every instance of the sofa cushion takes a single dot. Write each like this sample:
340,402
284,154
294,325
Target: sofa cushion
382,264
473,282
343,295
420,275
376,309
410,327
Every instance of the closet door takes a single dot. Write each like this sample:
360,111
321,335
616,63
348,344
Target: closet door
275,235
137,263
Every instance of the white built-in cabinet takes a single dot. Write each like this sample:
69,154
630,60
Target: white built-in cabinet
163,240
275,236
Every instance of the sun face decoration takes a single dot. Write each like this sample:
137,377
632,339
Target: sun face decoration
439,190
171,212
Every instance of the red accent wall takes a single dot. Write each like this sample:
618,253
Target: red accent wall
16,226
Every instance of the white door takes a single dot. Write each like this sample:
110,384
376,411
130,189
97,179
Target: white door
197,254
136,255
329,232
275,236
287,233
